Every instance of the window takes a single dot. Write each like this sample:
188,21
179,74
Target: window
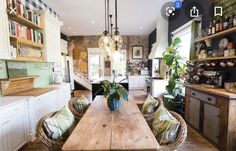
119,62
184,33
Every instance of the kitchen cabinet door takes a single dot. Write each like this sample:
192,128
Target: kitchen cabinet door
211,122
194,115
13,129
52,38
64,94
17,135
4,34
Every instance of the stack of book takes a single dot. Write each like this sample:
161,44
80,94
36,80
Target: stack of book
24,32
20,9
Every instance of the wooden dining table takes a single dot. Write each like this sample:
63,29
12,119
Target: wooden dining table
103,130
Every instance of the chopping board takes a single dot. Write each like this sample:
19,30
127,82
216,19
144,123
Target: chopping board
34,92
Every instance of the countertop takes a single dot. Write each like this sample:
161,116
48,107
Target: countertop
10,100
110,78
34,92
217,91
17,98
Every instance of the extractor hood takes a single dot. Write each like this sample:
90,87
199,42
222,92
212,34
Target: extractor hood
161,40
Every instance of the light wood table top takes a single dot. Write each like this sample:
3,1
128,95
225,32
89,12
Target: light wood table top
103,130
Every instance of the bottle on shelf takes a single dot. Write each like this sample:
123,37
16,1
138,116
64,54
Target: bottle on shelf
231,20
225,23
234,20
213,28
221,24
217,26
209,29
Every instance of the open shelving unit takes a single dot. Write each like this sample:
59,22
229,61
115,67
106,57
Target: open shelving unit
219,34
36,49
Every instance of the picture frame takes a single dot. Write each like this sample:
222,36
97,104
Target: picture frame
137,52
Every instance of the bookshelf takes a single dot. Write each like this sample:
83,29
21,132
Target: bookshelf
26,30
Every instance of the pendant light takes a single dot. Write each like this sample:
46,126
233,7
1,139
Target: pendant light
105,42
118,41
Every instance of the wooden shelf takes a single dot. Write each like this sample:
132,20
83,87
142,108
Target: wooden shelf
27,42
24,21
214,58
19,78
28,59
222,33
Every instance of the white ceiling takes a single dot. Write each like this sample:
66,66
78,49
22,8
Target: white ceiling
135,17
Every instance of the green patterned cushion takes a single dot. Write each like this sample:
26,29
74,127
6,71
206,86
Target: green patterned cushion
57,127
165,126
81,104
150,105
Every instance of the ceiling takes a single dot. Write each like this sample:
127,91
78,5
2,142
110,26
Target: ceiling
86,17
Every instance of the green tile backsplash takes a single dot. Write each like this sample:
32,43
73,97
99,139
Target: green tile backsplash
42,70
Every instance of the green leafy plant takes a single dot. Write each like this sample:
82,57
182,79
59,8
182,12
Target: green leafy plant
177,67
114,90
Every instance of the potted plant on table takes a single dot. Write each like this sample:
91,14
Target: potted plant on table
115,93
177,67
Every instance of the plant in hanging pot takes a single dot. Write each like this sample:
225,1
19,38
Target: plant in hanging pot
114,93
174,99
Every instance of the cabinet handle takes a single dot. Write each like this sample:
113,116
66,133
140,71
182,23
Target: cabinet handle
193,94
209,99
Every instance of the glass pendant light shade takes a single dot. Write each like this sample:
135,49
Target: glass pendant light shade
118,41
106,44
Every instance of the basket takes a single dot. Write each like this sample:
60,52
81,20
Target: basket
41,135
181,136
76,114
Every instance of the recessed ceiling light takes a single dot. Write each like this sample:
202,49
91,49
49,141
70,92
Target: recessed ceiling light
69,28
75,32
140,27
92,21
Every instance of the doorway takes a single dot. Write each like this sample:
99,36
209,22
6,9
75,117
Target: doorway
95,63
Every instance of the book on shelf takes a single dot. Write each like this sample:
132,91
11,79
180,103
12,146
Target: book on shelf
24,32
22,11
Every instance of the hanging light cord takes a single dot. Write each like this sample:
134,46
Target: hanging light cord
105,15
111,25
116,14
108,12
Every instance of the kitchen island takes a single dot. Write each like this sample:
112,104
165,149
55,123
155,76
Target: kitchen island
212,113
97,89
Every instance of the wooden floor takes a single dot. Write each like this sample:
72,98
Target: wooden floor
194,141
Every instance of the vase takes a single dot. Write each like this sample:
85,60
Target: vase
113,104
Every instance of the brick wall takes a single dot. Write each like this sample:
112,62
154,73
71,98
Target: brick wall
82,43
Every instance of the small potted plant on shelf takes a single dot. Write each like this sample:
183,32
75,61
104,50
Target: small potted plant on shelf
174,99
115,93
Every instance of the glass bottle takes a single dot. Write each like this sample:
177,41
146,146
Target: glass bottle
221,24
234,21
217,25
225,23
209,28
231,20
213,28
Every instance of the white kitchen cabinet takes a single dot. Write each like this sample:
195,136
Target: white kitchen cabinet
64,95
64,48
211,122
137,82
4,34
38,107
13,127
52,38
194,115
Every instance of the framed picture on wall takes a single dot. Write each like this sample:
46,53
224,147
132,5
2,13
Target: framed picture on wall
137,52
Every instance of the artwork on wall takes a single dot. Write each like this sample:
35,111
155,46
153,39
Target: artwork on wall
137,52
